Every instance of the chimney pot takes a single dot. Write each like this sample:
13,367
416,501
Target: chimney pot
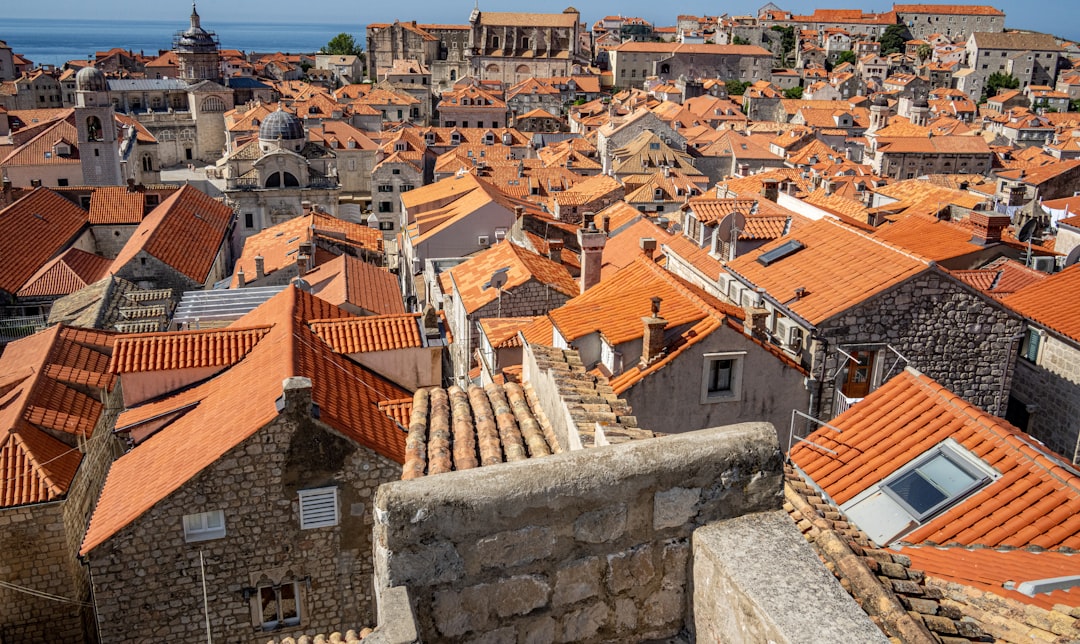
652,342
260,267
648,246
240,281
555,248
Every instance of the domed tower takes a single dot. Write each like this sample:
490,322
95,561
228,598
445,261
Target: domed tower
920,112
95,123
879,113
197,52
281,130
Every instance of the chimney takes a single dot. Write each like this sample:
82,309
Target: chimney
240,281
652,343
519,212
296,397
592,243
604,224
260,267
306,206
744,169
667,171
555,247
770,189
987,227
829,186
648,246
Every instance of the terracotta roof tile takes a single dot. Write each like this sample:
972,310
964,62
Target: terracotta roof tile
623,246
191,350
615,306
1050,302
186,231
38,376
220,413
1001,278
348,280
1033,503
523,266
370,333
838,267
33,230
116,205
503,332
67,273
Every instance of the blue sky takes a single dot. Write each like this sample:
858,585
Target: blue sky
1054,16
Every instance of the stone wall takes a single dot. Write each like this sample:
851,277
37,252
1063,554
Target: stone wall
589,545
256,484
1053,387
948,331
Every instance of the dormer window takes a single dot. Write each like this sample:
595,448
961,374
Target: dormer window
400,146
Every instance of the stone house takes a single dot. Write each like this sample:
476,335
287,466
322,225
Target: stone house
505,280
1032,58
183,244
471,106
254,486
926,20
633,62
621,131
1046,383
906,157
854,310
513,46
454,217
60,402
404,162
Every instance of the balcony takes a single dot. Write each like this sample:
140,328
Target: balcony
843,403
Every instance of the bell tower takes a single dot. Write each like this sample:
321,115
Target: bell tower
95,123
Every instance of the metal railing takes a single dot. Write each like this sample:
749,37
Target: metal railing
14,328
843,403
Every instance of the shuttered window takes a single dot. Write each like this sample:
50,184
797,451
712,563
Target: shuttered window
318,508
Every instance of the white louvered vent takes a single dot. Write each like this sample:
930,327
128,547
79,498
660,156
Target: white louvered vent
318,508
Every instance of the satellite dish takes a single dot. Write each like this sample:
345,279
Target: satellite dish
1073,256
1027,231
498,279
725,230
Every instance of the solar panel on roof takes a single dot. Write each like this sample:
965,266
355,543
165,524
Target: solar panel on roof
780,252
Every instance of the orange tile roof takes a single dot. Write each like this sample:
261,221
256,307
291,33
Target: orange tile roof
370,333
951,9
42,382
186,232
1001,278
1052,302
440,205
503,332
989,570
193,350
33,230
400,411
929,237
1035,502
615,306
523,266
933,145
348,280
838,268
623,247
73,270
279,245
226,410
116,205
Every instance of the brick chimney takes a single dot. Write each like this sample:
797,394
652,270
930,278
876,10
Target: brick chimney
770,189
592,243
296,396
652,343
987,227
648,246
555,247
260,267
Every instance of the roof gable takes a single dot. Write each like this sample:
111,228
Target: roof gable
32,231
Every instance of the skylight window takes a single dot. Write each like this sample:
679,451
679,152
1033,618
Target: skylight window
939,479
780,252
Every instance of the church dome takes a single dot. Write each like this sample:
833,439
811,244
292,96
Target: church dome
881,101
281,125
90,79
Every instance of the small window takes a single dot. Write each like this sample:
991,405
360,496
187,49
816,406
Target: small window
395,171
386,187
318,508
721,377
386,206
938,479
203,526
386,225
1029,346
249,220
279,605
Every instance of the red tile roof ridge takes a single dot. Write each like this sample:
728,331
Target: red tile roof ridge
713,306
167,350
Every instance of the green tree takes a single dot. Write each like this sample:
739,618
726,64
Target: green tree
924,51
342,44
787,42
999,81
892,41
736,87
846,57
793,92
739,40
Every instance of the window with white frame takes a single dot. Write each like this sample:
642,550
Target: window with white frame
938,479
203,526
318,508
278,604
721,377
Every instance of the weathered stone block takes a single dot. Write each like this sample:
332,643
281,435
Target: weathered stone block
539,631
601,526
675,507
584,623
631,569
576,581
434,563
513,548
519,595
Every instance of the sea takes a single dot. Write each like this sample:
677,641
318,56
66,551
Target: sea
54,41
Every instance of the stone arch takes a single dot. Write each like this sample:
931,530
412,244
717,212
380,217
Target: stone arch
453,74
665,68
147,163
492,69
522,69
282,180
212,104
93,129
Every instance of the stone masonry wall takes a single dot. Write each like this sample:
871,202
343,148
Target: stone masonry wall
948,331
586,546
1053,386
39,546
256,484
